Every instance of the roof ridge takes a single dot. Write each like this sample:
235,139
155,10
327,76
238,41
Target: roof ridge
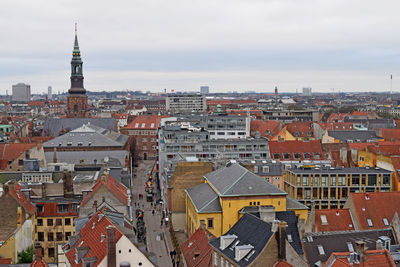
241,176
208,203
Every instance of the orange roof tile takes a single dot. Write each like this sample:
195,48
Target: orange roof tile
36,104
360,113
298,146
197,244
281,264
336,220
91,237
11,152
390,134
22,199
300,129
381,258
337,126
118,189
267,128
368,206
40,263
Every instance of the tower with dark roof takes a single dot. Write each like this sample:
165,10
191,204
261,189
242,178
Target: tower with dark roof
77,99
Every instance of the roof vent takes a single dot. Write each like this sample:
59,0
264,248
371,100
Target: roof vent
367,196
100,217
337,213
226,240
102,238
242,251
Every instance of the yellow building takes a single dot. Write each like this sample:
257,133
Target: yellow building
217,202
366,158
54,223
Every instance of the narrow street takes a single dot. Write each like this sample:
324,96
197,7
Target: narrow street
157,236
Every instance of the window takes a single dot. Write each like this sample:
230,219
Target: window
59,236
20,162
241,133
144,147
324,220
321,250
144,139
296,155
210,223
40,236
307,155
289,238
143,125
385,222
40,208
74,208
362,159
222,262
67,221
276,156
50,236
221,133
62,208
255,169
67,235
50,252
265,169
286,155
215,259
350,247
49,222
39,222
370,224
58,221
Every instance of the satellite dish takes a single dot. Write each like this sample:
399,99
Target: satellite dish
106,159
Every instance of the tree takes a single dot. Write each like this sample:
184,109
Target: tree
26,256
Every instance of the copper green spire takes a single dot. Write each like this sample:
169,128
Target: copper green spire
76,69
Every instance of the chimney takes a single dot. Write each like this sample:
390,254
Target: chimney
281,240
379,244
68,186
55,155
267,213
44,193
111,250
95,205
361,248
38,252
343,154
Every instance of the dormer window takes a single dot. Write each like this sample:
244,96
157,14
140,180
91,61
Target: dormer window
385,222
324,221
321,250
370,224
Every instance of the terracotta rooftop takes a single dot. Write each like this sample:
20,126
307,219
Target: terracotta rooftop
333,220
267,128
300,129
40,263
22,199
370,211
118,189
11,152
197,250
293,147
145,122
390,134
374,258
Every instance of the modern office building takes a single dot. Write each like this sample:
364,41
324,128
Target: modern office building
307,91
204,90
329,188
186,103
21,92
49,93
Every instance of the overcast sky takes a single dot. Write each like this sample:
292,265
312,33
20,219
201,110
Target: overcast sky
238,45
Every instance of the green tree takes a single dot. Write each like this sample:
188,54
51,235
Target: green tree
26,256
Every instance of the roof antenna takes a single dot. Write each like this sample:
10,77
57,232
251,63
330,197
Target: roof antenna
76,28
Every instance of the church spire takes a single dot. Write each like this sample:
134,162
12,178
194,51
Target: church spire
76,68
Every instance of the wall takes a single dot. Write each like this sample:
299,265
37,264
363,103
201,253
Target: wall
369,159
24,237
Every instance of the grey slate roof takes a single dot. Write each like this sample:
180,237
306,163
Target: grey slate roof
204,198
355,136
337,242
249,230
88,136
53,126
292,204
115,157
236,180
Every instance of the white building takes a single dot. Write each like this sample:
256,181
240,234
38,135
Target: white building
204,90
185,103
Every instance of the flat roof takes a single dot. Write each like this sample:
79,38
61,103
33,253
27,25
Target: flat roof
339,170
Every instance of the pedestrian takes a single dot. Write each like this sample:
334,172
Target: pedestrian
162,221
153,212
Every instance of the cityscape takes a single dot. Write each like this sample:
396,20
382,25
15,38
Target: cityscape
277,176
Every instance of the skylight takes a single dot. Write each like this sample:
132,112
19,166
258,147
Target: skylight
137,125
323,219
321,250
152,125
289,238
370,224
350,246
385,222
143,124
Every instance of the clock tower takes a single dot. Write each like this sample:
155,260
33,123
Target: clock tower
77,102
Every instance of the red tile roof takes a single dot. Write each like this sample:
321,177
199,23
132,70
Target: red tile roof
119,116
337,126
281,264
374,258
300,129
197,244
22,199
118,189
298,146
36,104
360,113
40,263
145,122
91,237
5,260
337,117
11,152
387,150
370,206
390,134
337,220
267,128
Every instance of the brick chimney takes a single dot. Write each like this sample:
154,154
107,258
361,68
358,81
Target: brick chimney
111,247
38,252
281,240
68,186
361,248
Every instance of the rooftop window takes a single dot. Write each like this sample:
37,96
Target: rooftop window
324,220
370,224
137,125
143,124
385,222
289,238
350,246
321,250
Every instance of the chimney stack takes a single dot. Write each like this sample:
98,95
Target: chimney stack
111,247
361,248
68,186
44,193
281,239
38,252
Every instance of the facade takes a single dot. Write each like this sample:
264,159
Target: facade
143,129
21,93
77,103
217,202
290,115
329,188
307,91
228,126
185,103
